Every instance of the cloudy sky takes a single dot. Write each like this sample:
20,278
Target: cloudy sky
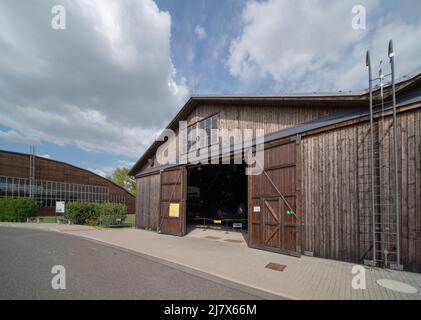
96,93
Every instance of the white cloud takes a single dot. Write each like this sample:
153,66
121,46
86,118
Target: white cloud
106,83
219,46
12,135
46,156
126,163
311,45
200,32
98,172
87,129
104,171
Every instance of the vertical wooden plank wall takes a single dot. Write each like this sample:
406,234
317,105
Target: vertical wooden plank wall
173,184
272,228
409,142
147,202
335,188
330,195
271,118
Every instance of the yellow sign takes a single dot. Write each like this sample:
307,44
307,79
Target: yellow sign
217,221
174,210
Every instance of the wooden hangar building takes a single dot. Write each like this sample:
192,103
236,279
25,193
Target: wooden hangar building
55,181
314,195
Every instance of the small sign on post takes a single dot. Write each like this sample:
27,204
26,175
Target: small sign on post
60,206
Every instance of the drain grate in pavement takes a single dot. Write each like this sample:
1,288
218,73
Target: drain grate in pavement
233,241
276,266
212,238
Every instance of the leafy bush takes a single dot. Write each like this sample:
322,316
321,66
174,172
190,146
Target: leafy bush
91,213
110,212
18,209
82,212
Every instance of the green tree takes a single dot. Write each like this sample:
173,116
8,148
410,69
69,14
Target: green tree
120,176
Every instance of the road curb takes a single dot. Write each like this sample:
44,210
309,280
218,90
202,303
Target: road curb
214,277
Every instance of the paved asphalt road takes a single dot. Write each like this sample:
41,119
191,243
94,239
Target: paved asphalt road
97,271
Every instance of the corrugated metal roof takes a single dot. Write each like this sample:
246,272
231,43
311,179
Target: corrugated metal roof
317,94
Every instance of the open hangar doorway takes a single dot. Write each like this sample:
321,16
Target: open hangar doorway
217,198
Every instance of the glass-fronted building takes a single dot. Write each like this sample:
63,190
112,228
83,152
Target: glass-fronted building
46,193
56,181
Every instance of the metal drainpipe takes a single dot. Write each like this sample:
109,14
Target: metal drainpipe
370,89
395,152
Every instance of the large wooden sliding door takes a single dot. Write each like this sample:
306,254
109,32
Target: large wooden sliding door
172,218
147,202
274,210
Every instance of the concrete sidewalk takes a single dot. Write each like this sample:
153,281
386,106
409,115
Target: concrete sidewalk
304,278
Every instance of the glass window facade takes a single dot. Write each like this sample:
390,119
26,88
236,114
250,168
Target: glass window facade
191,139
46,193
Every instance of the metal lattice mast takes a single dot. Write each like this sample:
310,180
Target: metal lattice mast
370,89
31,171
391,54
380,213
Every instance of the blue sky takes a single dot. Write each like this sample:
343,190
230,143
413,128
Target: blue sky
97,93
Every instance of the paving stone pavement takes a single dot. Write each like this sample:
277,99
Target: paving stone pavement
304,278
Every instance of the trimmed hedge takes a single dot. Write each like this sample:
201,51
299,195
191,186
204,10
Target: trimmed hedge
92,213
17,209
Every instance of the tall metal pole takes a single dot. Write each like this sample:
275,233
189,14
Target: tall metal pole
395,153
370,90
30,171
